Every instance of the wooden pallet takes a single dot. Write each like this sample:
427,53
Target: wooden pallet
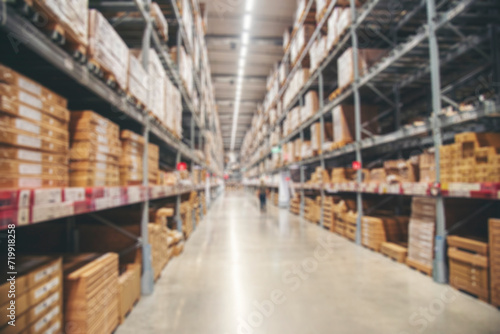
481,294
105,75
57,31
426,270
136,102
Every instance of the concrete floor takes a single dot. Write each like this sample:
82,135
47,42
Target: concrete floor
243,272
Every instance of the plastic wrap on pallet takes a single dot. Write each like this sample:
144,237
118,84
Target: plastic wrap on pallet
159,20
187,18
156,87
71,14
138,81
366,59
107,48
301,39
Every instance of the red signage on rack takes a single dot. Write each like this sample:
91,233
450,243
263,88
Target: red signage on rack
226,176
356,165
181,166
287,179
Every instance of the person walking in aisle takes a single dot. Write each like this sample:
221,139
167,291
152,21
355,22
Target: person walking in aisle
262,194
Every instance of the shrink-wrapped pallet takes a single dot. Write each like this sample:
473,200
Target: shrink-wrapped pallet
345,64
107,50
70,15
159,21
138,81
343,122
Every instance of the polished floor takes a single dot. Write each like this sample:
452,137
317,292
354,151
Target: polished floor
243,272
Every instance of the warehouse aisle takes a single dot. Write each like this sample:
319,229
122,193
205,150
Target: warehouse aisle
240,274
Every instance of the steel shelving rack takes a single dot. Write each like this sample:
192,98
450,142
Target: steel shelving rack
45,61
427,40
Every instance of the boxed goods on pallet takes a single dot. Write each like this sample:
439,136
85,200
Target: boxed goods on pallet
138,82
397,171
153,163
156,85
316,137
474,157
131,158
469,266
91,293
494,253
294,204
38,296
317,53
308,17
159,20
379,229
300,77
341,175
366,59
421,234
339,211
343,122
95,149
69,19
129,289
34,138
173,112
107,51
302,38
350,220
187,19
427,167
311,106
185,64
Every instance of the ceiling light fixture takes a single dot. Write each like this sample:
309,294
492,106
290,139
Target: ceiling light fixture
249,5
247,22
244,50
245,37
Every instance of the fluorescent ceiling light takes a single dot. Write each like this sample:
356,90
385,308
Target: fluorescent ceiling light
249,5
244,50
241,63
240,80
241,72
247,22
245,37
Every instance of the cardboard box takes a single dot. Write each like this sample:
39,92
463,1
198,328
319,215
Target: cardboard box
343,122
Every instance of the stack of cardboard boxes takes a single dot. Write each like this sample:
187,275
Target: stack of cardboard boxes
131,159
494,253
95,149
38,297
421,234
34,138
469,266
91,293
474,157
153,163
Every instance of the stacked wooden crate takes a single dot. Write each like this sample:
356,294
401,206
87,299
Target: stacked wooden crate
350,225
131,158
295,204
380,228
312,210
34,138
95,150
469,266
421,234
158,235
328,213
474,157
91,293
340,210
153,163
494,252
38,296
129,289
